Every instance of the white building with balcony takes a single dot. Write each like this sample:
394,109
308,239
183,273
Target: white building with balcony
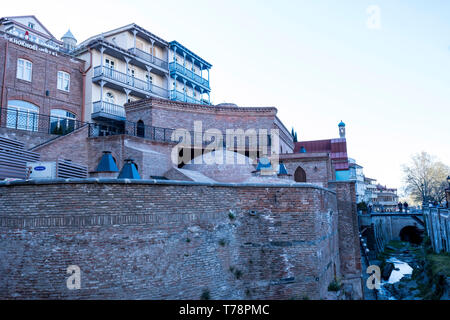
130,63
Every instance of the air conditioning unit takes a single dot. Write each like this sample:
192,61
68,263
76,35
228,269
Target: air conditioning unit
42,170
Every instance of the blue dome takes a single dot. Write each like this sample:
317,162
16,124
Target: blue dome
68,35
341,124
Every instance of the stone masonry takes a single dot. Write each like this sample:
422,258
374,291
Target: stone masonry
167,240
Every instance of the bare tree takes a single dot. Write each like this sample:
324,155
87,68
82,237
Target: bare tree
424,178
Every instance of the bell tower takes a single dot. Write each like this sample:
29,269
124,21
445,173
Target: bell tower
341,130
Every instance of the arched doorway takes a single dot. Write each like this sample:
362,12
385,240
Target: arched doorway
300,175
140,129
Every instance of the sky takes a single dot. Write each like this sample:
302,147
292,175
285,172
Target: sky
383,67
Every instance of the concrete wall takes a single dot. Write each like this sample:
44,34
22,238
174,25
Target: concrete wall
167,240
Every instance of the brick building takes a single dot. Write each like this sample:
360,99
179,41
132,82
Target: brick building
41,86
290,233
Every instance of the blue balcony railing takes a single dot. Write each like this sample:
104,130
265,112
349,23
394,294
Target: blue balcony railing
109,108
130,81
189,74
179,96
149,58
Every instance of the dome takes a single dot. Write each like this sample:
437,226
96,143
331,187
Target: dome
223,166
341,124
68,35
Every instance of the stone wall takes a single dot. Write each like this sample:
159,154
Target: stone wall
167,240
349,246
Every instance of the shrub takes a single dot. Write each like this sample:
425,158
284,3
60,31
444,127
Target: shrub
205,295
334,285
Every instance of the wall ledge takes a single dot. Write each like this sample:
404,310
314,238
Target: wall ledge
33,182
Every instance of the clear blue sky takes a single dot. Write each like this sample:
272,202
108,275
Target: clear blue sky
316,61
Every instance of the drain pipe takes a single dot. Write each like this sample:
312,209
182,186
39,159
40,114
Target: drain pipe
4,78
83,74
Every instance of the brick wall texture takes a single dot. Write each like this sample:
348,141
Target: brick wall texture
167,240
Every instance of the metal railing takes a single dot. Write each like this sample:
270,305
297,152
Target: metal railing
131,81
149,57
174,66
109,108
34,122
108,128
179,96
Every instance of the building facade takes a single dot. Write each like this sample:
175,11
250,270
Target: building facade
130,63
357,175
41,85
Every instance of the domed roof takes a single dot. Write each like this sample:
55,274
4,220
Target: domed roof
68,35
341,124
223,166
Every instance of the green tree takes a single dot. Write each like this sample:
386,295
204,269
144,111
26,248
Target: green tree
425,177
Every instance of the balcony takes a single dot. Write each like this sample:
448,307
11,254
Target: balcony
104,110
176,68
179,96
149,58
119,80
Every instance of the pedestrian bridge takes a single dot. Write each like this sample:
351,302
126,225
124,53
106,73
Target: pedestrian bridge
380,228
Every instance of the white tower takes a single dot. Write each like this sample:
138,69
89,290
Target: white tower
341,130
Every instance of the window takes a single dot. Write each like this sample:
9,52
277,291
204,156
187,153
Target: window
140,129
22,115
109,97
63,81
24,69
109,63
30,25
61,121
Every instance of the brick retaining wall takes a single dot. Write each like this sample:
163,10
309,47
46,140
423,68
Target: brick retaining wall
166,240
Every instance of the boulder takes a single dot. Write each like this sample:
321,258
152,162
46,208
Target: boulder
387,270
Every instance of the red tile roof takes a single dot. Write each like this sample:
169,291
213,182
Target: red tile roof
337,148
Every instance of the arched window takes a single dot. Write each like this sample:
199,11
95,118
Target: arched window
22,115
300,175
61,121
140,129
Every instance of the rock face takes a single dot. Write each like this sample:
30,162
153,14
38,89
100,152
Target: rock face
446,294
387,270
